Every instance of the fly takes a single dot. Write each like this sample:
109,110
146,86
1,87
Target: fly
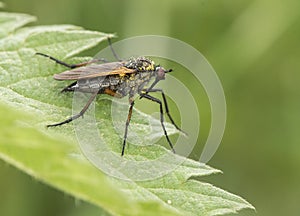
117,79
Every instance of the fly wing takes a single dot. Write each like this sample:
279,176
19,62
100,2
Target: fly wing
94,70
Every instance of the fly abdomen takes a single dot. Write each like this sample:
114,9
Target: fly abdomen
97,83
90,85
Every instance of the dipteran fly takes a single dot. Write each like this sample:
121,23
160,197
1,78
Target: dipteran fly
117,79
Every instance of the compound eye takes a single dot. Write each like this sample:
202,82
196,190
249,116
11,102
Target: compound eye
160,71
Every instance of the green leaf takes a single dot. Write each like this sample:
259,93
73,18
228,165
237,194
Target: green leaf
9,22
30,99
2,5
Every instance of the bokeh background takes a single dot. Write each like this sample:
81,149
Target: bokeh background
253,46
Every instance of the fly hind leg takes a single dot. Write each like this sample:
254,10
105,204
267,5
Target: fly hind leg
71,66
81,113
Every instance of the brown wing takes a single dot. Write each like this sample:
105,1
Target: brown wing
94,70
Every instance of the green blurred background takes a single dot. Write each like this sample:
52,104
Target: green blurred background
253,46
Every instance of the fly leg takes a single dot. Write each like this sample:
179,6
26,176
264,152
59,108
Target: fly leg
126,126
151,98
92,98
166,108
112,50
71,66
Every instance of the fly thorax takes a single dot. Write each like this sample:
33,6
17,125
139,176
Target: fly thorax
140,64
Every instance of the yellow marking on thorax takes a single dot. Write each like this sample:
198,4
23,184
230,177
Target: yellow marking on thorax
150,67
